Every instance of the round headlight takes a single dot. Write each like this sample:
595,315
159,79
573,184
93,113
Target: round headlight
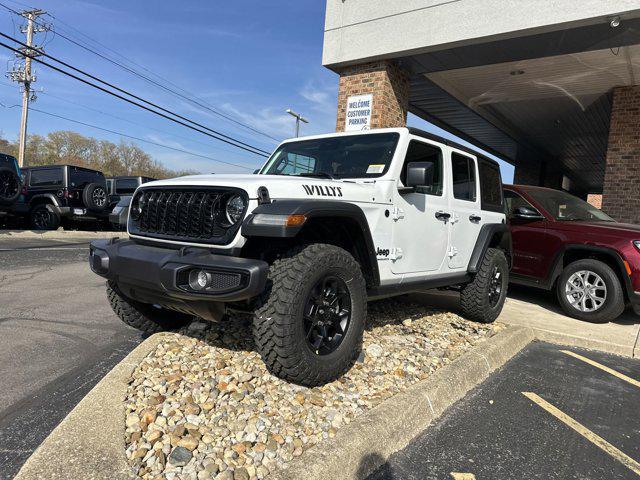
235,209
138,205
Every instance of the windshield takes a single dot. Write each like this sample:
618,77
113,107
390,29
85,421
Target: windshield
353,156
567,208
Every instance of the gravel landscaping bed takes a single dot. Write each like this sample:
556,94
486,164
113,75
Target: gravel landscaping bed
202,405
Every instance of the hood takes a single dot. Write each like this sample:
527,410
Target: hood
280,186
622,230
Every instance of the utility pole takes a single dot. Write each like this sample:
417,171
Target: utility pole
299,118
22,73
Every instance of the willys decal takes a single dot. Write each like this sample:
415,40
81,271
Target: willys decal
322,190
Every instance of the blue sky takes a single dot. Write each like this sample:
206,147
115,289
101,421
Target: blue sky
247,59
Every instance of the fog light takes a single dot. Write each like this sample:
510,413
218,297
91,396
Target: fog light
199,279
99,262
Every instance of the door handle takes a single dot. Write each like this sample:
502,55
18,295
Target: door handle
440,215
474,218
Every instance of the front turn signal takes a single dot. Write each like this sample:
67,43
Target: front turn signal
295,220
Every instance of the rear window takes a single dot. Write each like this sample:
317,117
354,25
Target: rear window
51,177
490,186
126,186
80,177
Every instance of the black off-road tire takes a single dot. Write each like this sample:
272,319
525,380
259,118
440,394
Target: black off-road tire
10,186
278,322
44,217
95,197
143,317
614,304
474,297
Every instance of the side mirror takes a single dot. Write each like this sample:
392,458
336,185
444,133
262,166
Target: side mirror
256,171
527,213
419,174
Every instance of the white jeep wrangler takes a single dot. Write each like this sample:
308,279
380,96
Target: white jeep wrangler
328,223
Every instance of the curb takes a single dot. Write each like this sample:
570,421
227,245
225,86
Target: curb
89,443
59,234
367,442
559,338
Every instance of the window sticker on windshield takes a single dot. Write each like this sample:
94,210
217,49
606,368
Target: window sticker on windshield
375,169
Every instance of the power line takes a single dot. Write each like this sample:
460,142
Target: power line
217,135
193,99
93,77
140,139
117,117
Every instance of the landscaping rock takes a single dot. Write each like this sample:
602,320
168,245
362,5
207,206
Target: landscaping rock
202,405
180,457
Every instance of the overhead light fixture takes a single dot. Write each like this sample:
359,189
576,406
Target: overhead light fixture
615,22
517,72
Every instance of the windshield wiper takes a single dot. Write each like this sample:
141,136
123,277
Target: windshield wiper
318,175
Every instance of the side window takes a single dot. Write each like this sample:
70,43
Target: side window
512,201
464,177
126,186
430,154
46,178
294,164
490,186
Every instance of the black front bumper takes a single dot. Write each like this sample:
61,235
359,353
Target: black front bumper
157,275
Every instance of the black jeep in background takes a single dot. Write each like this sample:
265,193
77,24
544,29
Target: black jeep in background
57,193
121,190
10,180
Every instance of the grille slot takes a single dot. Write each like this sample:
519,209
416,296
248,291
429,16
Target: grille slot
189,215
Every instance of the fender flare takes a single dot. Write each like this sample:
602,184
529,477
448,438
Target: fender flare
557,267
488,232
312,209
47,196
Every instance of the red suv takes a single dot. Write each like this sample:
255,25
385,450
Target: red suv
561,242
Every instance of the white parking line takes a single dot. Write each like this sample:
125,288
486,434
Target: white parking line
600,442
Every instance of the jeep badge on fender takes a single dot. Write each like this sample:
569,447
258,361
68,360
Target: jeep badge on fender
296,244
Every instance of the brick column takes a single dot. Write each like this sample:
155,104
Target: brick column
389,85
621,194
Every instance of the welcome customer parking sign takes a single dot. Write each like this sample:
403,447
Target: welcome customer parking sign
359,112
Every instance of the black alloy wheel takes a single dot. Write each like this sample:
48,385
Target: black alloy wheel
327,315
495,287
41,219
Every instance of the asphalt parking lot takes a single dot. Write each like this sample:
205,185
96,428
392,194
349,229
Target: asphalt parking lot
549,413
58,338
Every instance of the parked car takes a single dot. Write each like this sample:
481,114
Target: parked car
564,244
54,193
329,223
10,180
120,191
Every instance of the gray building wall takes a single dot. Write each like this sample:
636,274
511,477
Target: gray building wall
362,30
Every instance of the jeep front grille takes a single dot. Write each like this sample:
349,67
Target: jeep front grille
194,215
